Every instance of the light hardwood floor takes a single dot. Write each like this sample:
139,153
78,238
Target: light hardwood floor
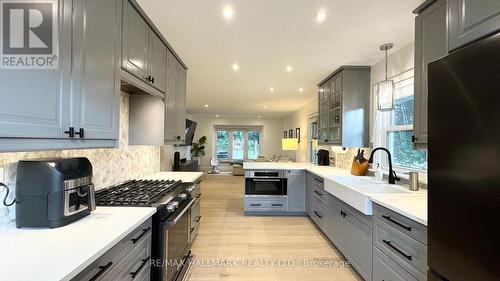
231,246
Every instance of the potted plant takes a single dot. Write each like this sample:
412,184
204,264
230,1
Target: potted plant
198,149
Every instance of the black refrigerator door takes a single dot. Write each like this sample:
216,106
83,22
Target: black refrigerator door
464,163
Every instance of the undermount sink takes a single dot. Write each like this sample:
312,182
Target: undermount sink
356,191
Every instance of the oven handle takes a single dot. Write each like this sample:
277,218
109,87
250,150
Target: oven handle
174,220
266,180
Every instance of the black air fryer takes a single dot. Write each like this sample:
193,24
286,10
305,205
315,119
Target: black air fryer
53,192
323,157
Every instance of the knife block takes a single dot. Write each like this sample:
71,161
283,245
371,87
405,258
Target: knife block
359,169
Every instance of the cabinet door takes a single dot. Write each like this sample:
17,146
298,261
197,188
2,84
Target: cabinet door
96,77
337,227
157,62
181,102
135,36
296,190
470,20
171,102
430,44
385,269
309,195
359,246
34,103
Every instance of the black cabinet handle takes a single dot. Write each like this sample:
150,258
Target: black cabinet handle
70,132
148,78
388,243
178,137
152,80
144,232
414,138
318,180
255,205
319,194
277,205
102,269
192,228
81,133
143,264
397,223
198,219
319,216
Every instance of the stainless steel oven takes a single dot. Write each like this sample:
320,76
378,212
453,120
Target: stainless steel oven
265,182
175,233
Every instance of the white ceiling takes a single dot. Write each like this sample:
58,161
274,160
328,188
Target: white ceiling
267,35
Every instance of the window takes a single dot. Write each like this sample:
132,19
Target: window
394,129
237,143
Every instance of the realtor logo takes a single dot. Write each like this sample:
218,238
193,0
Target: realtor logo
28,34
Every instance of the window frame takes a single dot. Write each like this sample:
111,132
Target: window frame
380,157
230,140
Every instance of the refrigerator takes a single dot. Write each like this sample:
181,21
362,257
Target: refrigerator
464,164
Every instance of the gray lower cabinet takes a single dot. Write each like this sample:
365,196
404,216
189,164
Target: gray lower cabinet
336,227
296,191
175,101
385,269
399,246
96,71
129,259
358,245
470,20
265,204
430,44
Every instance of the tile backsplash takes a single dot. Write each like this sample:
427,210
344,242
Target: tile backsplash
110,166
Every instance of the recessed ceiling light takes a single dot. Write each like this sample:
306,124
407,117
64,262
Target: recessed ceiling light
206,105
265,106
228,12
321,16
259,116
217,116
236,67
289,68
271,89
301,90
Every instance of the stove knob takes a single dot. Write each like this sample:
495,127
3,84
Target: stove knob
190,189
183,195
170,208
175,204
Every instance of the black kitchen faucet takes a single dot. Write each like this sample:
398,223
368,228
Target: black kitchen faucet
392,175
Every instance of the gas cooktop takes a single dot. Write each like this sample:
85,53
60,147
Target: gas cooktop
135,193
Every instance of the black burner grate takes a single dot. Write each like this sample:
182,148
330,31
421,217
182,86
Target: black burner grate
135,192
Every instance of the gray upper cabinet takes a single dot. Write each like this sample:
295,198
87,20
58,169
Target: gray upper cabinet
143,52
430,44
135,42
344,106
470,20
175,101
296,191
96,71
35,103
77,104
157,62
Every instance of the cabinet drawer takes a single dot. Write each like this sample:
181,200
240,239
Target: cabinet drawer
404,250
319,215
315,181
105,264
401,223
135,265
385,269
321,195
278,203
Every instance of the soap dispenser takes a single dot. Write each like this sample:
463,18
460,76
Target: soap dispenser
379,173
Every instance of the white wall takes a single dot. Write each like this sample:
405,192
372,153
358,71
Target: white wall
271,134
299,119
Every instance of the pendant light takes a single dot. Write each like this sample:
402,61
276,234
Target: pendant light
385,89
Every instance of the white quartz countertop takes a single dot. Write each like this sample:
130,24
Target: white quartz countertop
414,207
359,192
183,176
34,254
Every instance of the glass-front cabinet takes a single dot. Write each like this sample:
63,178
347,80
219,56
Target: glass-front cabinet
343,107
